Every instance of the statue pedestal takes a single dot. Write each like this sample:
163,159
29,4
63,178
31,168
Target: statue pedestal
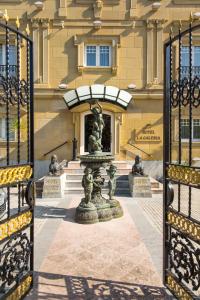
86,213
54,186
140,186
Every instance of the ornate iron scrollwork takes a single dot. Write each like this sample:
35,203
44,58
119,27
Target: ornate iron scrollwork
183,224
184,174
14,174
184,91
175,94
177,289
14,260
13,225
185,260
12,89
196,92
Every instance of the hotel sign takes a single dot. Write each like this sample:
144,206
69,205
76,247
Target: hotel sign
147,135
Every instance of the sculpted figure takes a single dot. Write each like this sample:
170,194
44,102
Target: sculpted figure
95,138
138,168
112,181
55,167
87,184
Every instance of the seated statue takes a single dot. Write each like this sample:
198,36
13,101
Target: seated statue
55,167
138,168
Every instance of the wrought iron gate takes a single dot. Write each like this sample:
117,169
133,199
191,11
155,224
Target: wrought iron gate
181,166
16,162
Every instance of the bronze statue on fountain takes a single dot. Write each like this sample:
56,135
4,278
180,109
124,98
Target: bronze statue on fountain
94,207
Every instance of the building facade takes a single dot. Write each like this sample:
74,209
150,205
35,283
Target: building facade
102,45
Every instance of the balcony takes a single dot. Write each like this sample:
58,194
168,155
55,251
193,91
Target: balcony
12,70
185,71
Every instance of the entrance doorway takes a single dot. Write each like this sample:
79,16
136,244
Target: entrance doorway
86,131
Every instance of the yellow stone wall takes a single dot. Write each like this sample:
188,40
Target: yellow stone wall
138,33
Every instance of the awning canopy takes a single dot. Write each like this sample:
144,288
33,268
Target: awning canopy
97,91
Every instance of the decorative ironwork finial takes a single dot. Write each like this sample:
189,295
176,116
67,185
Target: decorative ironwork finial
27,30
17,23
6,17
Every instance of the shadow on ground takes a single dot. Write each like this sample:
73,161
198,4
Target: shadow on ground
55,286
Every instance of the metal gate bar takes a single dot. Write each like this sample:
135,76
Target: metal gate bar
181,238
17,170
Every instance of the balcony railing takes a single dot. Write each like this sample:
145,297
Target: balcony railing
12,70
185,71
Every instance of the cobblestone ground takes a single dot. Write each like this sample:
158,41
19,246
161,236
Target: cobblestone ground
153,207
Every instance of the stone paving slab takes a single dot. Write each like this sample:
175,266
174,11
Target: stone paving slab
100,261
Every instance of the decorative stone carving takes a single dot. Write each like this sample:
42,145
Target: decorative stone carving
55,168
96,137
87,184
138,168
35,23
45,23
98,6
112,181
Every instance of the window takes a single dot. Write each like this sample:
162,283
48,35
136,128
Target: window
185,129
97,56
12,134
12,59
185,55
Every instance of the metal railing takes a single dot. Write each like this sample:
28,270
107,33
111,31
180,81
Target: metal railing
59,146
150,155
185,71
12,70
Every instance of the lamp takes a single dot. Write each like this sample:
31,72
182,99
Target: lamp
97,24
39,5
196,15
156,5
131,86
62,23
63,86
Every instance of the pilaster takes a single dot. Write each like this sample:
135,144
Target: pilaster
62,11
45,51
35,27
118,123
159,41
150,52
133,9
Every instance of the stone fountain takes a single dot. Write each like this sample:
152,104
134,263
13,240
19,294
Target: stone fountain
94,207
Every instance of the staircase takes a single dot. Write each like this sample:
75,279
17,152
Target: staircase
74,174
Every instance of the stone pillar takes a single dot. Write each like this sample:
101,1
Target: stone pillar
35,27
159,65
150,51
118,123
62,11
133,9
45,51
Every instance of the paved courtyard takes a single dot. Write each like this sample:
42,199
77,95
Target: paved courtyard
120,259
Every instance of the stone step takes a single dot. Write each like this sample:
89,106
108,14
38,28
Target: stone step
80,176
119,164
78,183
123,171
119,191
